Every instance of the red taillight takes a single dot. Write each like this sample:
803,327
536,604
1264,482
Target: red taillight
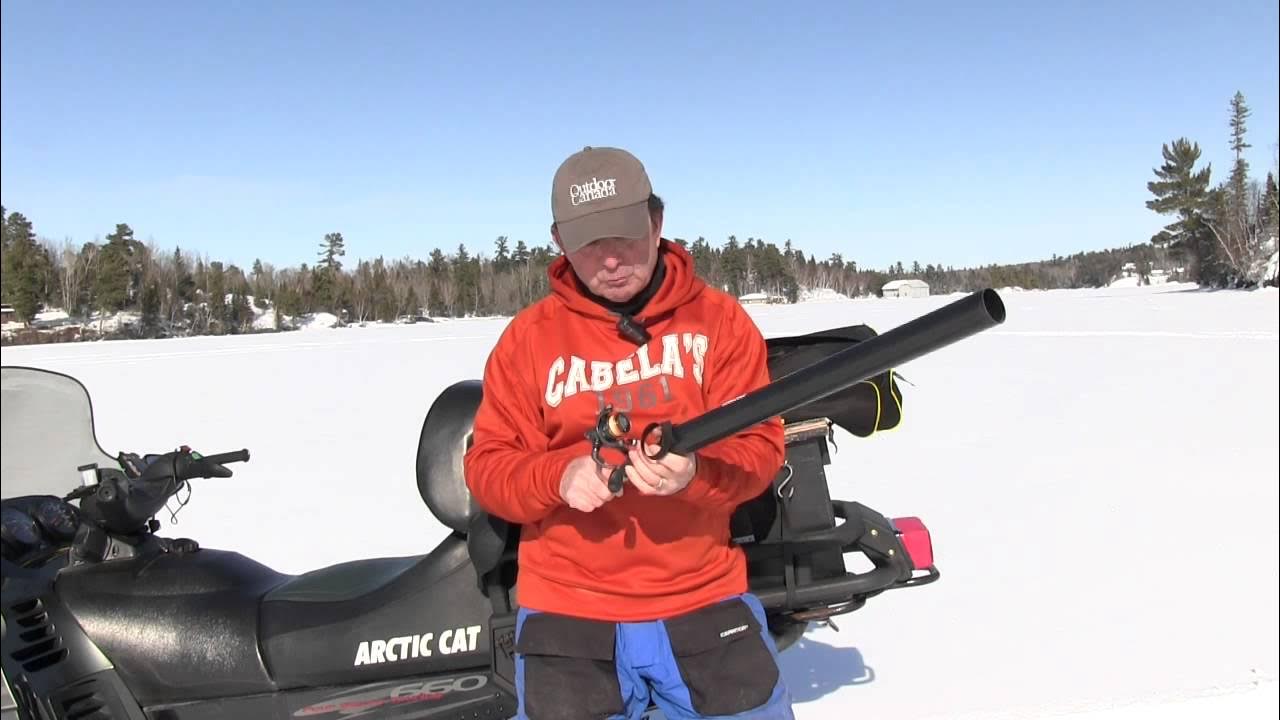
914,537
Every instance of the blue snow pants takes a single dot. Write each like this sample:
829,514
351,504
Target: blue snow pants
717,662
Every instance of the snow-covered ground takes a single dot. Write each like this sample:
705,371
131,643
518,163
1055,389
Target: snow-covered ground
1099,475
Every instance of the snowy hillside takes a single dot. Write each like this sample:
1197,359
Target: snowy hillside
1099,475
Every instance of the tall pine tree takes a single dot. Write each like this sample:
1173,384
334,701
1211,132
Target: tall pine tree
1182,190
1231,215
1240,170
326,275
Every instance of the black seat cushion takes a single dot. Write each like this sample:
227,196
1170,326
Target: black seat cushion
446,435
177,626
344,581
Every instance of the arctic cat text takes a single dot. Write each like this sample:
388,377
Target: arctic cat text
414,646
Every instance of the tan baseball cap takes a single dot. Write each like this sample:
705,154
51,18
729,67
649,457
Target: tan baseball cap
600,192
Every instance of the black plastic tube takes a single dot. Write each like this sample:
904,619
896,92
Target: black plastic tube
933,331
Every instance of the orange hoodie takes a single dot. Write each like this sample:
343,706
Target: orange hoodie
555,366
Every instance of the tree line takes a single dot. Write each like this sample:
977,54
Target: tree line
177,293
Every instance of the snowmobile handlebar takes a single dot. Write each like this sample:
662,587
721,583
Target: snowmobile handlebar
183,464
123,504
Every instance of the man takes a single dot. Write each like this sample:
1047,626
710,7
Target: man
640,595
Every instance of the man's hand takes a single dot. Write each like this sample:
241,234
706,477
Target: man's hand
584,486
665,476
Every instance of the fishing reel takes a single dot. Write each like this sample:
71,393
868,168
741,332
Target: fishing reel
609,432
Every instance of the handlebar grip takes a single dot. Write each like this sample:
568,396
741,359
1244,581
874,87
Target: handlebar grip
227,457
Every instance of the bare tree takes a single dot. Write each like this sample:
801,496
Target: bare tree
68,273
1239,232
77,267
362,293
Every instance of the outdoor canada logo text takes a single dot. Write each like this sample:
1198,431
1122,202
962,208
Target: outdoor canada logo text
592,190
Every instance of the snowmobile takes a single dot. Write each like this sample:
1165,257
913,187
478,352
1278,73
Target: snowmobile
103,617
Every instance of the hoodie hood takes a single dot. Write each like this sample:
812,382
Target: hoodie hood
680,285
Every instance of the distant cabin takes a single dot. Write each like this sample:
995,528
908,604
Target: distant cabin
912,288
760,298
9,318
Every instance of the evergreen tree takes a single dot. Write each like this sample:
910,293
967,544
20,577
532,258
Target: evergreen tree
240,313
185,285
1236,229
704,261
501,258
200,277
412,306
151,307
466,282
1269,207
26,265
1240,170
331,249
216,297
733,267
1182,190
325,277
262,283
4,254
435,299
113,283
521,255
1231,213
440,295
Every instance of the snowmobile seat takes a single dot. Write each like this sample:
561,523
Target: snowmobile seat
344,581
446,435
445,438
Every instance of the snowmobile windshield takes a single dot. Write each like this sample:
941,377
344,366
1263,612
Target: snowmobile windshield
47,433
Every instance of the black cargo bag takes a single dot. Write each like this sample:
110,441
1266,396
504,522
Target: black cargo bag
799,501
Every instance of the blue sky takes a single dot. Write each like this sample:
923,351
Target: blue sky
960,133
